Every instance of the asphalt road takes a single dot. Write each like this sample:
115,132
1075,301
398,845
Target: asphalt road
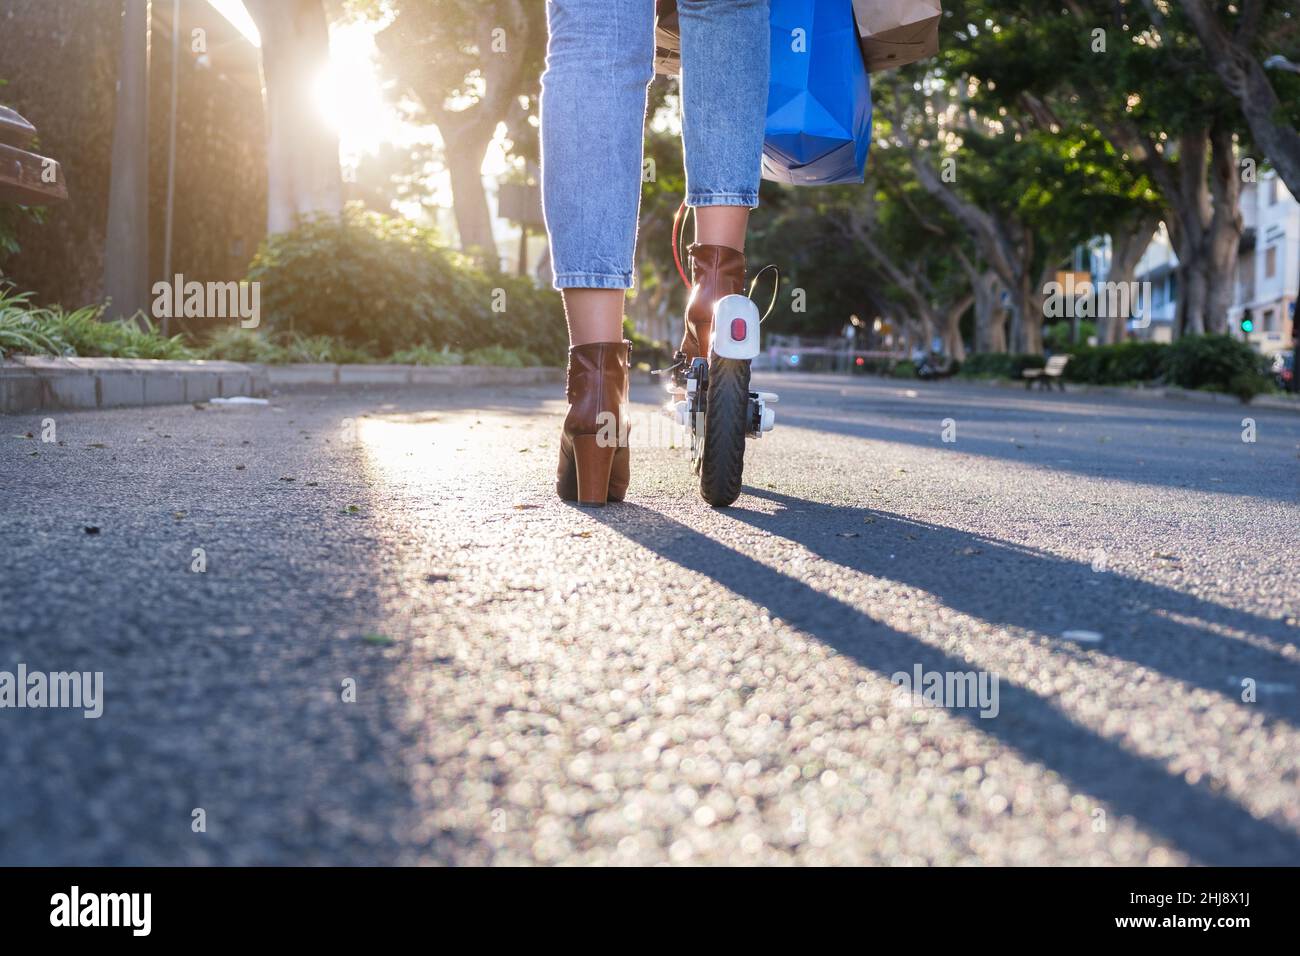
657,681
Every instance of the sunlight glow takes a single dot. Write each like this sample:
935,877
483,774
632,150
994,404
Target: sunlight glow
238,17
350,95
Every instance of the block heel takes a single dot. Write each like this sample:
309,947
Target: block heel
593,462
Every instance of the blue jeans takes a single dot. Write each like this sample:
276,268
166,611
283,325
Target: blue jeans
599,62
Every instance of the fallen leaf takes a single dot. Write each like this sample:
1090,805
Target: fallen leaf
378,640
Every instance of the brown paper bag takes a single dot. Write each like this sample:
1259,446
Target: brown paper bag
897,32
668,38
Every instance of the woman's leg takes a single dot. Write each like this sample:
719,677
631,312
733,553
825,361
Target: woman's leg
725,66
599,62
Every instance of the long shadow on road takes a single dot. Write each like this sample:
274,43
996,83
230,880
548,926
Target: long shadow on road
1209,827
1003,583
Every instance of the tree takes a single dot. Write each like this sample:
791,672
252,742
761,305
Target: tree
303,176
1232,54
471,65
1108,68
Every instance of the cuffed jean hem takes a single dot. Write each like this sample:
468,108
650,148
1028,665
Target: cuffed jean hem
591,280
747,199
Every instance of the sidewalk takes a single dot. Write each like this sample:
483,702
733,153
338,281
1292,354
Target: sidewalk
38,383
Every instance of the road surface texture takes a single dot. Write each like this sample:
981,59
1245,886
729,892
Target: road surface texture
656,681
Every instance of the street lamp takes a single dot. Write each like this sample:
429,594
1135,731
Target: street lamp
1278,62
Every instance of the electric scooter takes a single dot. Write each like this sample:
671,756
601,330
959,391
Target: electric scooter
712,399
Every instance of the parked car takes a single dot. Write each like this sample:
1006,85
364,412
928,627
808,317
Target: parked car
1283,370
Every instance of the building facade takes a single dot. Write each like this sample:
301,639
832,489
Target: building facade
1268,273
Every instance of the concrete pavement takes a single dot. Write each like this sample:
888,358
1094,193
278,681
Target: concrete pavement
657,681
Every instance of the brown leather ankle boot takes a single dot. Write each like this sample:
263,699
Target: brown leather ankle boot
594,459
716,271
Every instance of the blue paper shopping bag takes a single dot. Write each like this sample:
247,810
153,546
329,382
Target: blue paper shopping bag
819,96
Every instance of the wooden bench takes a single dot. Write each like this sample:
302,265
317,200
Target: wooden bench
1053,370
26,178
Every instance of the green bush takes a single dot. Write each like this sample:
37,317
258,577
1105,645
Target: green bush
904,369
1056,337
427,355
500,355
368,280
1119,364
383,284
514,313
999,365
1218,363
243,345
233,344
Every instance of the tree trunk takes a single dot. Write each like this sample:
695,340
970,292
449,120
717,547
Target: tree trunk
990,335
1027,306
469,197
302,151
1192,300
1243,76
952,342
1127,244
1223,241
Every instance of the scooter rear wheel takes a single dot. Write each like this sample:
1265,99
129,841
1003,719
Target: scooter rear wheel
722,459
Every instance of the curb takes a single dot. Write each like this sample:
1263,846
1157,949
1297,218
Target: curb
35,383
467,376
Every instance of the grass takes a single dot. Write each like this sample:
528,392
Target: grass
37,330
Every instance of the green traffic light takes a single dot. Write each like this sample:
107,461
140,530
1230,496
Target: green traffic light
1247,325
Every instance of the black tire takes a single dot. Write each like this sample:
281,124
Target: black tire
722,459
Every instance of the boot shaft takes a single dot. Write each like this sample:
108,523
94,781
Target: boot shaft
716,271
597,381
